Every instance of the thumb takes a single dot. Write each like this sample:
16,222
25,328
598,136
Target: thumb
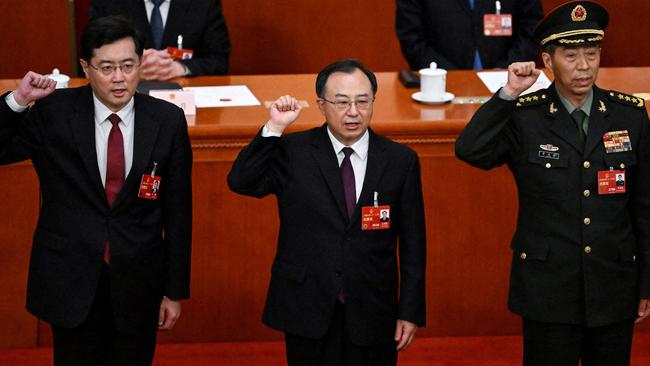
536,72
399,331
161,316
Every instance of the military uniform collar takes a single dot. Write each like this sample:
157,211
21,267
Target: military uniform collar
585,107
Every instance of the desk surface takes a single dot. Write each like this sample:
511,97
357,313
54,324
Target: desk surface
395,113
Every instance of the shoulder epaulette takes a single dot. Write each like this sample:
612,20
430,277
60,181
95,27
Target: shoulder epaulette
531,99
626,99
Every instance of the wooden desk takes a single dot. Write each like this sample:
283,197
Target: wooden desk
470,216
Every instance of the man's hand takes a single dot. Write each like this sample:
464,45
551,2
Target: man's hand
644,310
159,65
521,76
33,87
404,334
170,311
284,112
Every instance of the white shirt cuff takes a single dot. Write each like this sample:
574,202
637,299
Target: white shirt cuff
11,102
267,133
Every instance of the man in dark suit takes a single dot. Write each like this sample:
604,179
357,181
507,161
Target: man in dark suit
451,33
580,276
200,23
109,264
334,285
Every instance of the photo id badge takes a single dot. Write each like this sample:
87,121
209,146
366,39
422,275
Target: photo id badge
149,187
611,181
375,218
497,25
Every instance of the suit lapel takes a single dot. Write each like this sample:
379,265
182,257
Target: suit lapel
139,15
175,21
325,157
145,133
465,5
598,121
82,126
374,171
562,123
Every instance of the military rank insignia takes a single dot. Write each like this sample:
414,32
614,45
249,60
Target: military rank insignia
617,141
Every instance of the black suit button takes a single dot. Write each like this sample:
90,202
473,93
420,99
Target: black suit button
337,274
348,238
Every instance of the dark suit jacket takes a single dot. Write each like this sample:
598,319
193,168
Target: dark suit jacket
200,22
6,114
321,251
555,278
149,239
448,32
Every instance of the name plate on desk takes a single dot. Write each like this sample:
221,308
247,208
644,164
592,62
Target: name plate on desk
182,98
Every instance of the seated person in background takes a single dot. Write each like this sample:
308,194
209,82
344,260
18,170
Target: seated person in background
451,33
200,23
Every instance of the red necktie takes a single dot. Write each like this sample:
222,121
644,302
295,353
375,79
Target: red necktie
114,166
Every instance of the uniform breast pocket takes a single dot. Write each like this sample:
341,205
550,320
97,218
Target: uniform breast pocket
545,175
620,161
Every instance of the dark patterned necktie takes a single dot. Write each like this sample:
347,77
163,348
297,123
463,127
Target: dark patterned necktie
349,186
114,166
156,24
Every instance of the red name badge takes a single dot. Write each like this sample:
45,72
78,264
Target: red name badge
375,218
497,25
180,54
611,181
149,187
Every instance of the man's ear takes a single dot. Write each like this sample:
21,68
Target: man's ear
321,105
548,60
84,66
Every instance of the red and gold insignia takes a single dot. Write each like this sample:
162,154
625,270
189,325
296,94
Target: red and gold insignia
579,14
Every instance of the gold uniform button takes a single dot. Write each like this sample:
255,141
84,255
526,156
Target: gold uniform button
622,166
587,221
586,164
548,165
586,193
587,249
522,256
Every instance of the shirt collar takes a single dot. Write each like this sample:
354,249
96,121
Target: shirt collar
102,112
360,147
585,107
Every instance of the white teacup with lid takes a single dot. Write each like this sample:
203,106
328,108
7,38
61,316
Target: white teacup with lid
432,83
61,79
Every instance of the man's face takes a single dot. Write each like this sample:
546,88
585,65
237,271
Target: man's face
575,69
347,125
115,89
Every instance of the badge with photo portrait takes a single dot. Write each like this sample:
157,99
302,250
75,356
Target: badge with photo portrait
375,218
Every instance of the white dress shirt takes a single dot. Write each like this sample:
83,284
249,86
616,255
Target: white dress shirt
359,157
164,10
102,130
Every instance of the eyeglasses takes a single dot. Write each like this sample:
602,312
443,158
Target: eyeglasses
344,105
110,69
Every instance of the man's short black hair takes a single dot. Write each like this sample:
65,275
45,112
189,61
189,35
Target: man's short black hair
347,66
106,30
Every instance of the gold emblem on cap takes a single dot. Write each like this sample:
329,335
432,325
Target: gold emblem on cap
579,14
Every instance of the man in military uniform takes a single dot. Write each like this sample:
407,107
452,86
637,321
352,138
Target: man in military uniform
580,277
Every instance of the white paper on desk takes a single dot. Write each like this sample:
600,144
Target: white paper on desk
494,80
223,96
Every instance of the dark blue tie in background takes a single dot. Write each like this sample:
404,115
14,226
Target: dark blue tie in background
477,58
156,24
